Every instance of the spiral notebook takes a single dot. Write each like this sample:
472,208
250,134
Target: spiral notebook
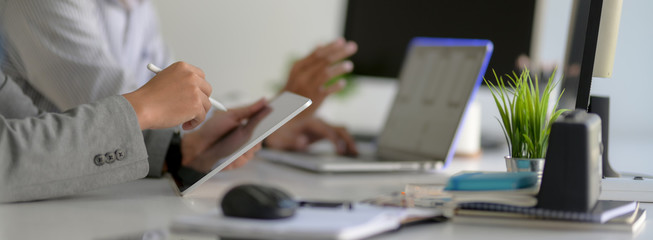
627,223
603,212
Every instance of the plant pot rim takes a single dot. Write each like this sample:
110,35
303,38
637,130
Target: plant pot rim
523,158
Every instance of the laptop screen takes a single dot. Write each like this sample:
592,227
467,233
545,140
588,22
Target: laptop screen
438,80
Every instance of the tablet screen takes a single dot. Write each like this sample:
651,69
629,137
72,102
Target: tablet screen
279,111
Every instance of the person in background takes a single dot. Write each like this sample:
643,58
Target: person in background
63,53
46,155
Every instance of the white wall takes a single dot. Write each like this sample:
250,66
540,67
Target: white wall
631,85
550,32
630,89
245,47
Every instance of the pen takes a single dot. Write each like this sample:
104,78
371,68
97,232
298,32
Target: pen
214,102
346,205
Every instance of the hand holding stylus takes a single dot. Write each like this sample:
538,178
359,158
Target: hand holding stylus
178,95
214,102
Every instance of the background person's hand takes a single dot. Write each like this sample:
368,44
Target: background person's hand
309,75
178,94
298,134
221,135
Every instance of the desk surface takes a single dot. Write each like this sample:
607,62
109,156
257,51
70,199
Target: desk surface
129,209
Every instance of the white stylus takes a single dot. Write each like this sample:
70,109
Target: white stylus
214,102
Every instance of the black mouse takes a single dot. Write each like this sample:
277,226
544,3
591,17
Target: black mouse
257,201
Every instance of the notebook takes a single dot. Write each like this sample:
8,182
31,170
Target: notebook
606,215
491,181
438,80
631,222
362,221
603,211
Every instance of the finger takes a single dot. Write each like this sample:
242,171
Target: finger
206,104
301,143
324,71
228,167
256,119
321,130
247,111
336,45
342,52
184,66
257,147
348,140
193,123
190,124
200,114
236,163
204,86
249,154
341,84
320,57
202,109
308,60
280,139
316,73
240,161
194,69
339,69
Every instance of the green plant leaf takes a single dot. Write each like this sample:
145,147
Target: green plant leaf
524,112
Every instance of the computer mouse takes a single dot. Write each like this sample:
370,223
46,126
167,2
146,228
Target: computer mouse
258,202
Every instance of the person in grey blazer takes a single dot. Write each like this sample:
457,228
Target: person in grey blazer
46,155
63,53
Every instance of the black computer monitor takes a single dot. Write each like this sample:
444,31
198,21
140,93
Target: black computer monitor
580,55
593,32
383,29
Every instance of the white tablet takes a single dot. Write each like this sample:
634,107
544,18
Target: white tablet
279,111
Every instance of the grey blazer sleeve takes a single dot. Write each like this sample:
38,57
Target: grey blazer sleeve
57,154
16,105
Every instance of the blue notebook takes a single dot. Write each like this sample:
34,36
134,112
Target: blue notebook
487,181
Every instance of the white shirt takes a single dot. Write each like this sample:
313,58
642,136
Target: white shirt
64,53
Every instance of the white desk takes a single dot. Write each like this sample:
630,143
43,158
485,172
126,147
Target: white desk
132,208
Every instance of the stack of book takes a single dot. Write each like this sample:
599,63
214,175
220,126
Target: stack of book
510,199
510,188
606,215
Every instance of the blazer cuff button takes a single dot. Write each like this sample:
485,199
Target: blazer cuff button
120,154
110,157
99,160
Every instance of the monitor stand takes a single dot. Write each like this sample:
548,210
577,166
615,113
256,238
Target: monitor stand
627,189
601,106
613,186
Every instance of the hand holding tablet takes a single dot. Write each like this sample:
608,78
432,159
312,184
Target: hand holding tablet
242,138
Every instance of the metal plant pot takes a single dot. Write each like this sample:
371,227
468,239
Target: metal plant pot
525,165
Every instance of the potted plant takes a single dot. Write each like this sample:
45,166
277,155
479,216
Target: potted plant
525,118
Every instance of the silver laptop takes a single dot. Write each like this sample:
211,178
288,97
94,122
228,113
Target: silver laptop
439,79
